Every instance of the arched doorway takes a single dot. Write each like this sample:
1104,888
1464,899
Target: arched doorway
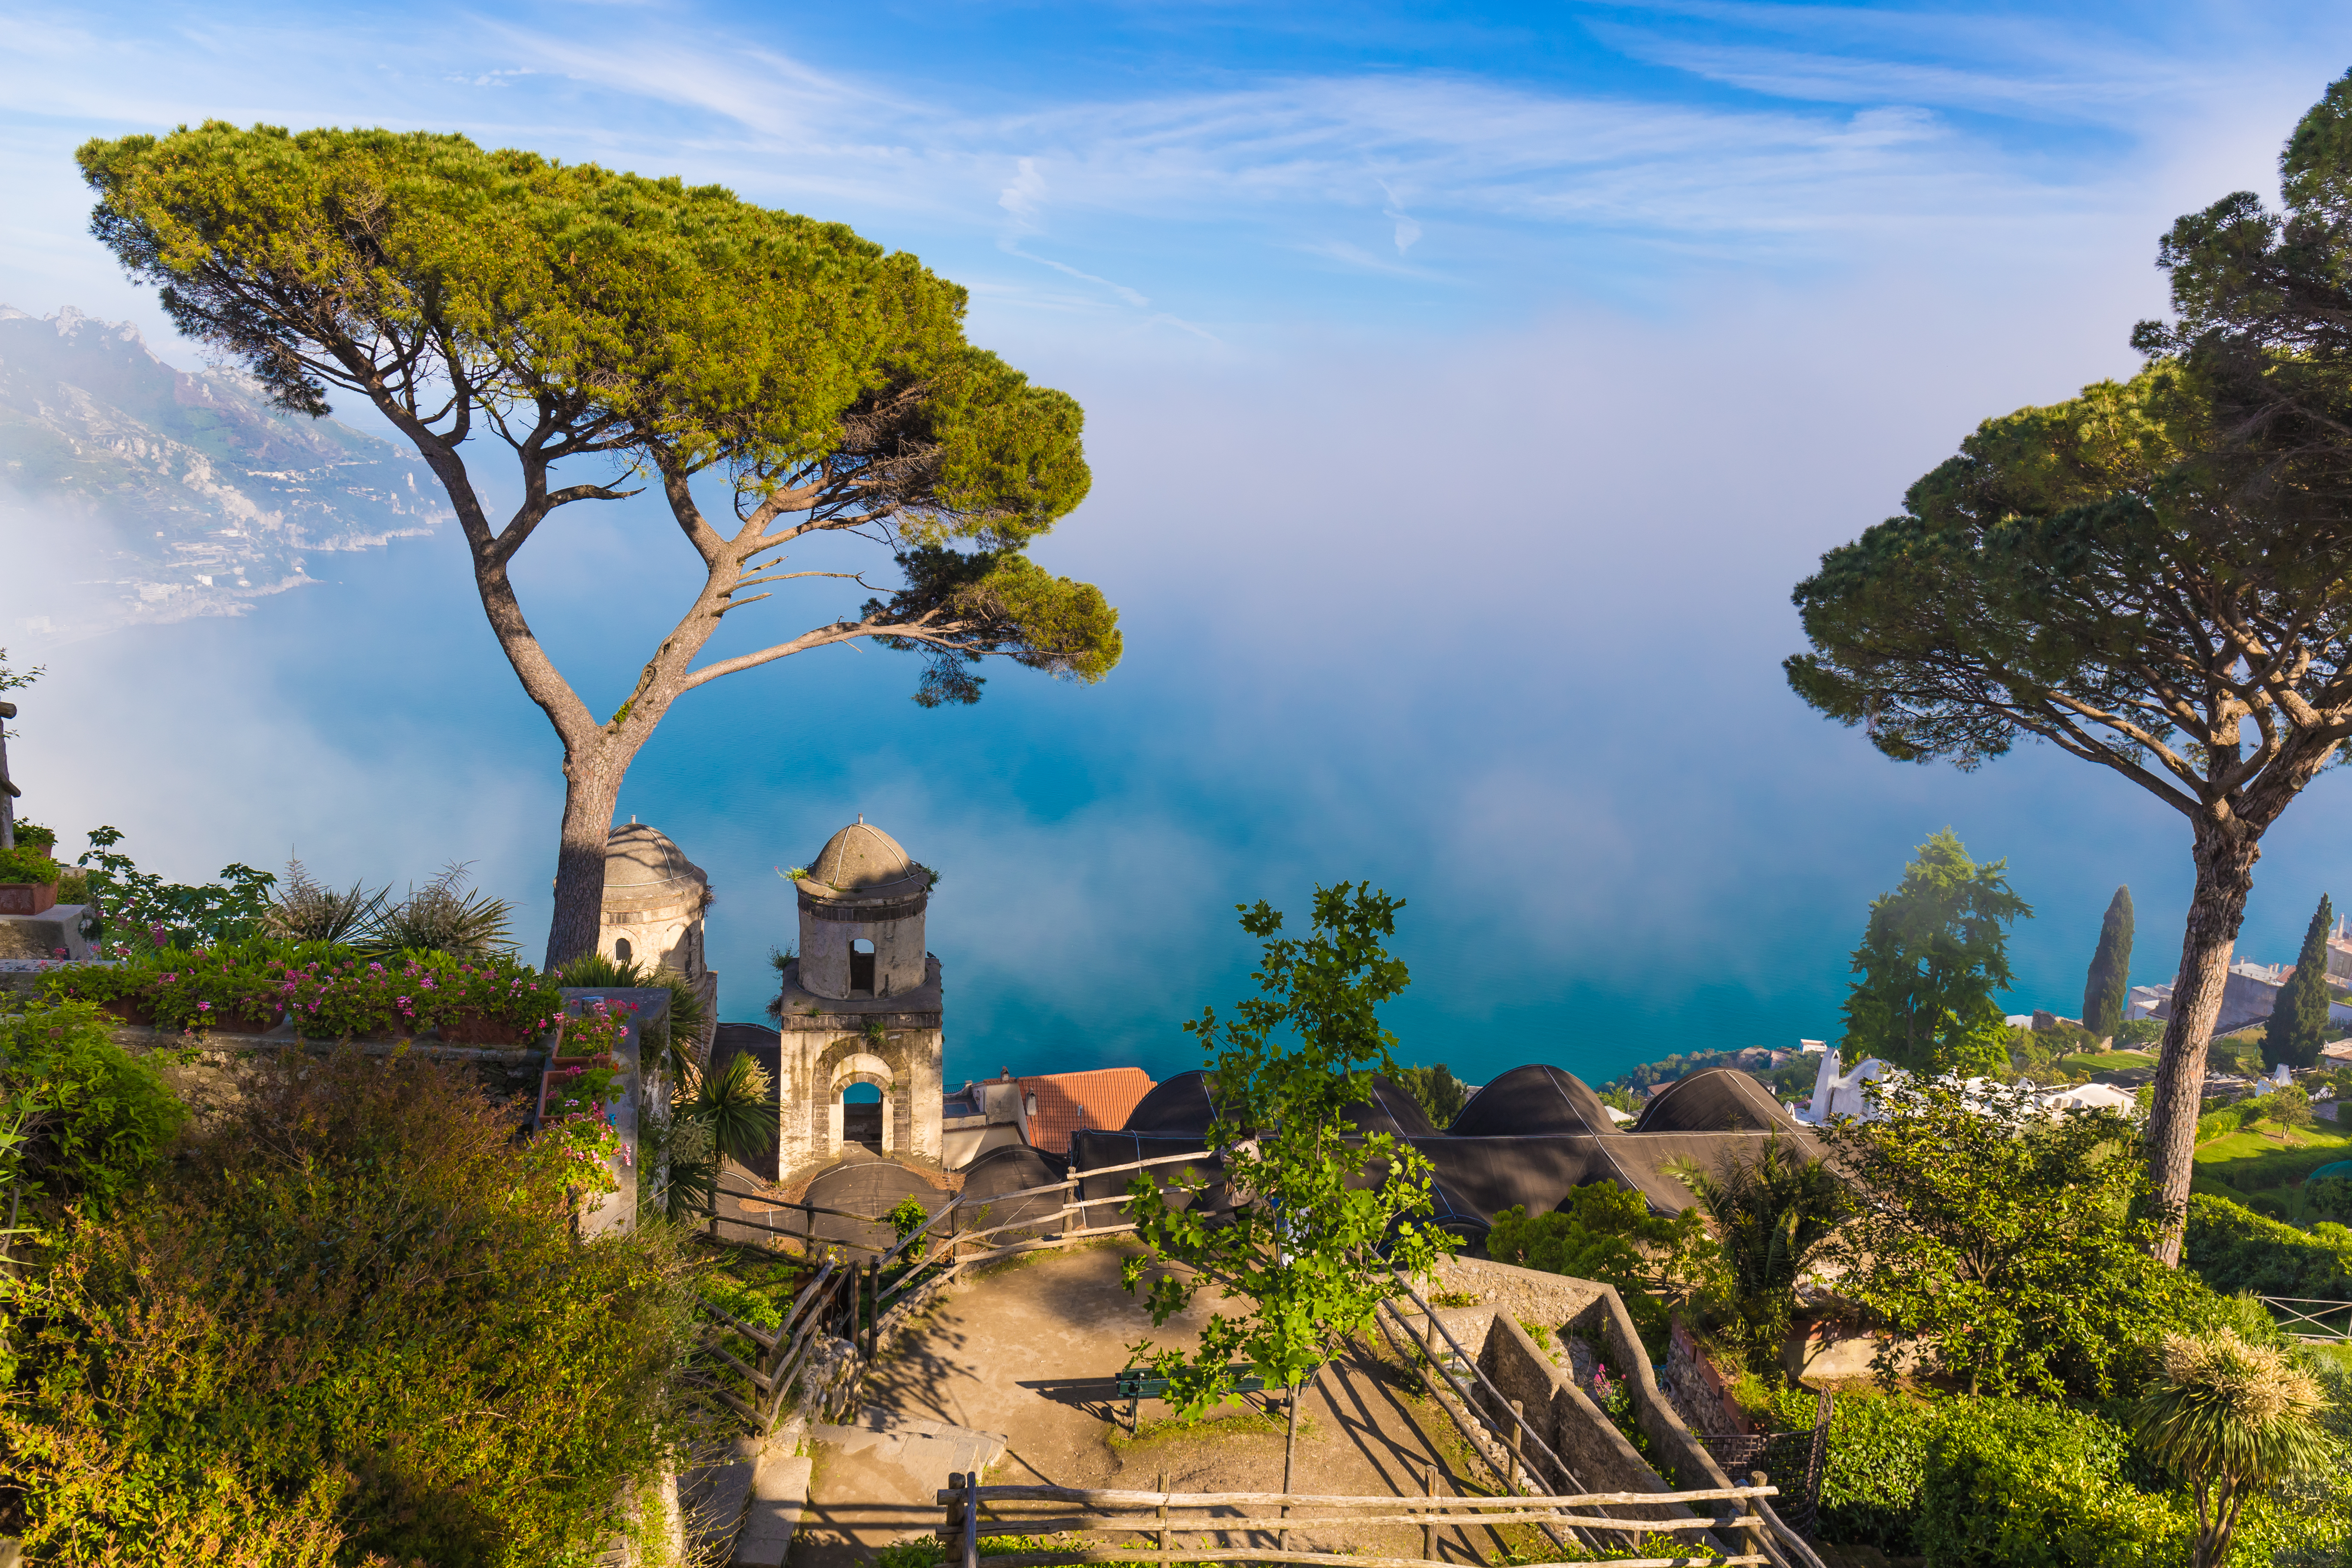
861,1115
866,1120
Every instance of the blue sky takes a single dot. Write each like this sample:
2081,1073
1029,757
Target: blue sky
1466,387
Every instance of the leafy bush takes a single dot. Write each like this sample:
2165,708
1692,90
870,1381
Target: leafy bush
80,1118
2012,1484
1877,1463
2232,1248
26,864
2012,1242
157,913
353,1321
33,836
1607,1233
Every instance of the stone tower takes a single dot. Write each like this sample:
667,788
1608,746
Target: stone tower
654,903
861,1004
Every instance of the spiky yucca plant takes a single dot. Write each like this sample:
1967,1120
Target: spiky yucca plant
309,911
444,917
2232,1418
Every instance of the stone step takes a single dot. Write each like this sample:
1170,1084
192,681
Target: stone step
713,1498
779,1498
922,1447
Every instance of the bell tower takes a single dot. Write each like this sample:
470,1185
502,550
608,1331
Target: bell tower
861,1005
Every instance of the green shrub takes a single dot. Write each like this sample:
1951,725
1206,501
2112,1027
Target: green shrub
26,864
1878,1461
354,1320
1607,1233
2232,1248
81,1120
2012,1484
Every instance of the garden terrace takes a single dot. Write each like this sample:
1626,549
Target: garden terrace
1024,1352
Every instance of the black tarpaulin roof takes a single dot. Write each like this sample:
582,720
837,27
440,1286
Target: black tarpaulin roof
1532,1099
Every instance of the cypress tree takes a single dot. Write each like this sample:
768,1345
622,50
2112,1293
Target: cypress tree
2109,981
2299,1018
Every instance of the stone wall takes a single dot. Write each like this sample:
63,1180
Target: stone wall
1571,1310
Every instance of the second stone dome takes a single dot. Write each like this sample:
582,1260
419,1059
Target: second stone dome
862,861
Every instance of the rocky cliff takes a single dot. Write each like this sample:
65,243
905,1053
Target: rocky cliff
131,492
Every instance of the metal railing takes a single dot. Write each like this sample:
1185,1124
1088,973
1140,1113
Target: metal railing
2306,1318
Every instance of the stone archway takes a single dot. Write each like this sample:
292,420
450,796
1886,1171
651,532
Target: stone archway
862,1066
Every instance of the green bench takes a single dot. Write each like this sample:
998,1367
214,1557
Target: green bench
1136,1385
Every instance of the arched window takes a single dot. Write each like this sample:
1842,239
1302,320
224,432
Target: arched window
861,967
621,949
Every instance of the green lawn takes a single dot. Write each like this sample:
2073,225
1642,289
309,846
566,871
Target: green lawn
2269,1163
2108,1062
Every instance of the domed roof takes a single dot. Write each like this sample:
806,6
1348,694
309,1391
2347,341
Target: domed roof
643,868
862,861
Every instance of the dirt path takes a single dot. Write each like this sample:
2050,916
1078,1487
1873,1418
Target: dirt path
1030,1352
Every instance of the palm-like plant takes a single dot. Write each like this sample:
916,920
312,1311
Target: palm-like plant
1772,1213
309,911
2232,1418
729,1113
443,916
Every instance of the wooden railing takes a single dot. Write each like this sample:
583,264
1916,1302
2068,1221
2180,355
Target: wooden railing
827,1304
1161,1517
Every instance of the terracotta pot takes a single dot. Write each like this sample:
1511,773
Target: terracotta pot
230,1021
26,898
473,1029
131,1010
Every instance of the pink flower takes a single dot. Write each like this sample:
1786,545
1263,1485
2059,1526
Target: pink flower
204,1006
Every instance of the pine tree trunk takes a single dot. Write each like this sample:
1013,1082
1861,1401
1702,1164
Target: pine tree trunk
2225,854
592,788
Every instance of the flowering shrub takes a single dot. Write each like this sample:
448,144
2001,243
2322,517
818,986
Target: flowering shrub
333,992
598,1029
579,1090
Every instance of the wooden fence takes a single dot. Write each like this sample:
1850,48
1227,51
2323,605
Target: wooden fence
829,1304
903,1276
1161,1517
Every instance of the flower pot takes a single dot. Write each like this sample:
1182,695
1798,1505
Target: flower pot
233,1020
547,1079
473,1029
131,1010
26,898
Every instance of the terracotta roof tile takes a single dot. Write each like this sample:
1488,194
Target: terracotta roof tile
1067,1101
